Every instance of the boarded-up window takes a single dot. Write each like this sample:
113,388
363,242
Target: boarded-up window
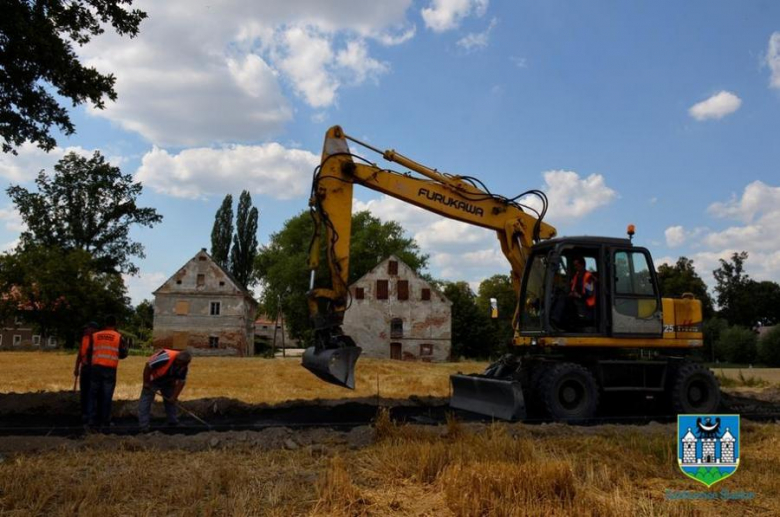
201,280
381,289
392,267
360,293
403,289
426,349
426,294
395,351
396,327
182,308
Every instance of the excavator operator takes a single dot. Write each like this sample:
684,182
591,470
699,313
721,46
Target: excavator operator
582,292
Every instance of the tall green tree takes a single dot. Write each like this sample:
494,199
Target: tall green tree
500,288
680,278
38,65
742,300
58,290
222,233
89,205
473,334
282,268
244,250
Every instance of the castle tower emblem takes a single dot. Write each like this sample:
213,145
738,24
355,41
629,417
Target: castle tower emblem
708,446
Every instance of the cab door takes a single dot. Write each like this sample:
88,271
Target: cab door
636,302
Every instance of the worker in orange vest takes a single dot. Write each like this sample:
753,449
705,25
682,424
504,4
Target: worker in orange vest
83,369
108,347
583,291
165,373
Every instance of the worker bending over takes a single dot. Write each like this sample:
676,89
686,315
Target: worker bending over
108,347
83,369
165,373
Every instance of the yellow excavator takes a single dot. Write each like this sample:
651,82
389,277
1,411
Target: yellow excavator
589,318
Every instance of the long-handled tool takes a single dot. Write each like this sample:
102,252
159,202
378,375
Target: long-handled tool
75,382
193,415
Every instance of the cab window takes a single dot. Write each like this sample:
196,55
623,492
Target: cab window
533,295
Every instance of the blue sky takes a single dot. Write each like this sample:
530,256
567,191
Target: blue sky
664,114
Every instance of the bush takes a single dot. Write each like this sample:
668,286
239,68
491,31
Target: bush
713,328
737,345
769,347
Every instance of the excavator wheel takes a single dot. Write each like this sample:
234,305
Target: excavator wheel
569,392
695,389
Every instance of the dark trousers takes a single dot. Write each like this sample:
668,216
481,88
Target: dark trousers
85,378
101,393
164,386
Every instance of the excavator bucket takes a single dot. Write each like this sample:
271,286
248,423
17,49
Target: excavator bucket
495,398
333,365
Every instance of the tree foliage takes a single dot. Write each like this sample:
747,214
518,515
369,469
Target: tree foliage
769,347
222,233
87,205
282,266
499,287
473,333
38,64
681,278
742,300
244,250
737,345
58,290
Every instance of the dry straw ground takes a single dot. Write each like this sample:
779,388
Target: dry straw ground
252,380
470,470
458,469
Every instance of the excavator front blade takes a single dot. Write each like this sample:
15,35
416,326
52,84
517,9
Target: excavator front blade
496,398
333,365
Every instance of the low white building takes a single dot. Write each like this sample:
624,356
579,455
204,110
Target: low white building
396,314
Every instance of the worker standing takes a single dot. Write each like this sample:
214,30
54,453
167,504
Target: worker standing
108,347
165,373
83,369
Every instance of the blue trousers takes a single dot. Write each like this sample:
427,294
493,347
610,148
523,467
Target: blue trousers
101,393
165,387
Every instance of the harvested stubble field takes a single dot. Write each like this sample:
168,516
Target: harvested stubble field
457,469
251,380
386,469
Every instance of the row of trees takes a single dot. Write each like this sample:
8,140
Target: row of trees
238,258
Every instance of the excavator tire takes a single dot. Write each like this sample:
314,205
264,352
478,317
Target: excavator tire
695,389
569,391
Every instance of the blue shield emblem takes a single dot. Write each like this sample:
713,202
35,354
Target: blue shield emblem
708,446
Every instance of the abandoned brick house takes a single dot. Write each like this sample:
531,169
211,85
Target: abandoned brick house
17,331
204,308
396,314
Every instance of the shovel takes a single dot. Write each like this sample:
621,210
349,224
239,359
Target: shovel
193,415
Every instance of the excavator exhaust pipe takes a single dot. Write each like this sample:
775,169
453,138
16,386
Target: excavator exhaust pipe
494,398
335,364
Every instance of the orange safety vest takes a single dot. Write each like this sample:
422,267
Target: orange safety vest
162,370
105,348
587,277
84,358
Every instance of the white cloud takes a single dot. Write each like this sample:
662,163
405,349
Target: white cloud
716,107
444,15
140,287
757,212
11,219
355,59
477,40
201,72
30,160
773,59
271,169
519,62
675,236
572,197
